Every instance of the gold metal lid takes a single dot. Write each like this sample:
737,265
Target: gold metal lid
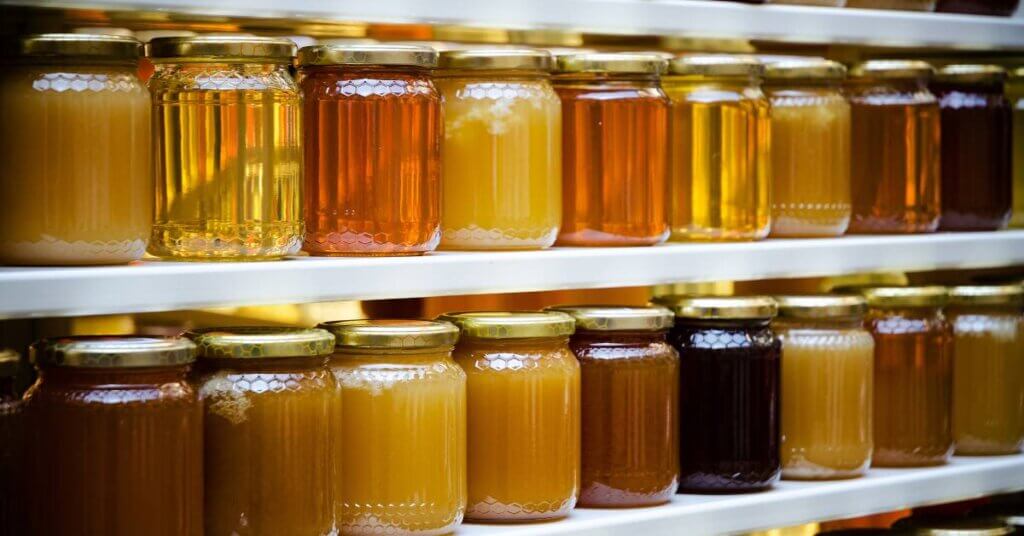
470,34
822,306
617,318
612,62
804,69
1016,73
512,325
103,351
933,296
146,36
113,47
724,307
976,526
1010,295
261,342
496,59
716,65
971,74
396,334
542,38
892,69
404,55
9,360
209,48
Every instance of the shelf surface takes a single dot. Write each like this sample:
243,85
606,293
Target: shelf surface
167,286
660,17
790,503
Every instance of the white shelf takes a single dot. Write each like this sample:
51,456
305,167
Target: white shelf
661,17
166,286
790,503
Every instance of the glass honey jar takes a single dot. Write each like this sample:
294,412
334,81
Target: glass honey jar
12,446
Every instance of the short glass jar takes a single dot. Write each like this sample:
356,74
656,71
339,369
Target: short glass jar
913,376
720,167
228,148
267,457
827,378
523,384
977,182
1015,94
629,400
894,148
373,149
810,153
74,120
729,407
988,369
135,427
12,446
399,428
614,149
501,158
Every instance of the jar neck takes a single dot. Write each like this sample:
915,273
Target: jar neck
809,84
342,352
718,81
745,324
907,312
819,323
493,74
905,85
619,337
606,79
94,377
262,364
252,66
994,88
78,63
984,310
360,71
533,342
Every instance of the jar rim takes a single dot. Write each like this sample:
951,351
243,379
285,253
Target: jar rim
971,74
972,295
804,69
496,59
885,297
93,46
617,317
611,62
391,333
716,65
257,342
821,306
368,54
893,69
720,307
220,48
109,351
512,324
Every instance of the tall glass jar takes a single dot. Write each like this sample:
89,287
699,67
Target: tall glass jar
226,124
977,183
1015,94
988,369
913,376
894,148
827,378
116,435
810,153
502,151
74,120
729,407
719,174
373,149
614,149
12,449
399,428
267,459
629,400
524,415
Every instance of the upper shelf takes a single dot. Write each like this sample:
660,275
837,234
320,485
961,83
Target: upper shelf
697,18
167,286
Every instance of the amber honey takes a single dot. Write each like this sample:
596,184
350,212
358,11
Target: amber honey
1015,93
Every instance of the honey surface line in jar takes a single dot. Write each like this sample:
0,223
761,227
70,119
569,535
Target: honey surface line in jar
502,150
74,120
614,150
1015,92
372,146
228,149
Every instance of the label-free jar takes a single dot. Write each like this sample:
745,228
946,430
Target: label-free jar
1015,94
11,446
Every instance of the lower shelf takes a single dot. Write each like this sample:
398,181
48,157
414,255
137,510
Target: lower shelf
789,503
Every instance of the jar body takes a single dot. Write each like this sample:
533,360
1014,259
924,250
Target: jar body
266,449
977,183
77,189
894,157
137,466
12,452
999,8
372,146
720,167
228,162
524,428
501,161
827,379
988,380
399,441
729,411
913,387
614,161
1015,93
810,136
629,420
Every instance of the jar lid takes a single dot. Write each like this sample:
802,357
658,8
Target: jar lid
512,325
260,342
547,37
114,47
396,334
821,306
1017,73
976,526
213,48
724,307
103,351
1012,295
893,69
971,74
496,59
617,318
403,55
9,360
716,65
612,62
804,68
933,296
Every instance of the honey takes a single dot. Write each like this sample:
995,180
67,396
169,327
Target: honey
1015,93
